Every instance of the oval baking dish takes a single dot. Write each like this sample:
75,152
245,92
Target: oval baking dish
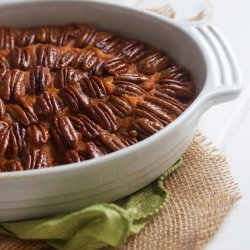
202,50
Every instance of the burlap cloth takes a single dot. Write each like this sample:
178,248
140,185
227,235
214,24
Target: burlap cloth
202,192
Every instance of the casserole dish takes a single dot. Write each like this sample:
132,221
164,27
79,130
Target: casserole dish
200,49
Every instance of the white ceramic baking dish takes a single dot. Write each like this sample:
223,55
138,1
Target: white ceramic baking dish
201,49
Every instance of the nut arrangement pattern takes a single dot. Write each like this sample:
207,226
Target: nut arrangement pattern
73,93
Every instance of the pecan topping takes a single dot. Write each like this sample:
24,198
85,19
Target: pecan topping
4,66
133,51
40,80
36,159
94,151
65,76
97,68
175,73
11,166
107,42
72,156
48,103
85,38
26,37
64,133
47,56
86,126
153,63
112,142
47,35
17,141
93,86
115,66
38,133
128,138
2,109
20,58
13,85
74,98
87,60
67,59
22,113
128,88
7,39
120,106
4,137
131,77
145,127
104,116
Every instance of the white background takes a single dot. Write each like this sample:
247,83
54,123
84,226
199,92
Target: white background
228,125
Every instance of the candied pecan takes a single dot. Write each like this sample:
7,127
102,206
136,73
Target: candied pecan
145,127
104,116
63,133
36,159
26,37
176,89
85,38
128,138
131,77
7,39
67,59
23,113
86,60
40,80
97,68
4,137
13,85
86,126
2,109
94,151
38,133
11,166
153,63
4,66
120,106
72,156
20,58
93,86
112,142
115,66
65,76
17,141
133,51
128,88
48,103
74,98
175,73
47,56
107,42
47,35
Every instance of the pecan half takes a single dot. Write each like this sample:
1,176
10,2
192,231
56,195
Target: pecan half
17,141
47,35
72,156
65,76
63,133
145,127
128,138
93,86
86,126
67,59
47,56
4,66
112,142
11,166
74,98
20,58
23,113
176,89
26,37
86,60
36,159
38,134
40,80
7,39
104,116
175,73
107,42
115,66
97,68
120,106
4,137
133,51
13,85
47,104
2,109
85,38
153,63
131,77
128,88
94,151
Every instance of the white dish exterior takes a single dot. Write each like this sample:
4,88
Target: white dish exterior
202,50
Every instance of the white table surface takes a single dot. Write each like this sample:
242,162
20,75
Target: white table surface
228,125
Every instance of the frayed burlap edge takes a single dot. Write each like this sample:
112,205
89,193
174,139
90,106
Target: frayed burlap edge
202,192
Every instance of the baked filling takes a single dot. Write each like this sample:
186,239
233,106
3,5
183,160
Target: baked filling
73,93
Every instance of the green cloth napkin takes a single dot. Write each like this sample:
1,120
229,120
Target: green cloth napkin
97,226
